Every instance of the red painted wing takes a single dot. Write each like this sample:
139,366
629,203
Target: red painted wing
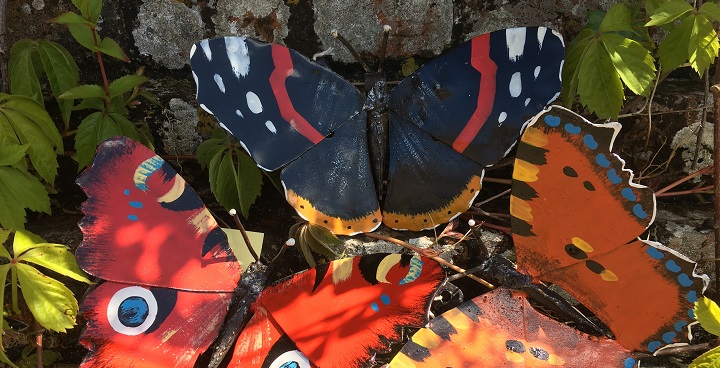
576,218
501,329
144,225
170,269
339,314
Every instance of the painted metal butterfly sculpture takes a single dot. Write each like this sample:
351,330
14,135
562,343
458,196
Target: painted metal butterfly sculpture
576,216
447,121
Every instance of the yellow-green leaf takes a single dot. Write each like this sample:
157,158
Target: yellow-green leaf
711,9
708,313
108,46
56,257
703,45
84,91
618,18
709,359
20,190
125,84
22,71
52,304
668,12
632,62
10,155
599,85
25,240
3,278
83,35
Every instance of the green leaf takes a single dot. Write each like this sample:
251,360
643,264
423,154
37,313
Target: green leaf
83,35
71,18
108,46
93,103
94,7
35,112
25,240
571,68
708,313
51,303
668,12
632,62
56,257
599,85
126,83
84,91
41,150
703,45
234,185
22,72
249,181
10,155
711,9
62,73
4,234
709,359
618,18
321,240
20,190
3,278
209,149
302,243
96,128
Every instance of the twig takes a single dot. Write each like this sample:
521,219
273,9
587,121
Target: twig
715,89
496,180
650,101
240,226
429,253
703,116
39,344
492,198
705,189
350,49
703,171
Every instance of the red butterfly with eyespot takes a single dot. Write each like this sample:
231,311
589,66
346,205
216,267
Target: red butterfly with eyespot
576,216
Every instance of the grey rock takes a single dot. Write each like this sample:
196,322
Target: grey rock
178,131
167,30
262,19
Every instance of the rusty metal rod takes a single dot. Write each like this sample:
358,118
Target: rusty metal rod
715,89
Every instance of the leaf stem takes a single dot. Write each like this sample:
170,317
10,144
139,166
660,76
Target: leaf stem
106,85
13,288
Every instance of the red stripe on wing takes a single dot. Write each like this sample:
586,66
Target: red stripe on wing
283,69
480,60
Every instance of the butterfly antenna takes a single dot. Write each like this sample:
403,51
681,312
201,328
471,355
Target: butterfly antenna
240,226
352,51
383,47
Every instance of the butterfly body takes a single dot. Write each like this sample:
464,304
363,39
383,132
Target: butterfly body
347,172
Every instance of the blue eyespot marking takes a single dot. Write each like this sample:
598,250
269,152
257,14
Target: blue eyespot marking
590,142
132,217
684,280
692,296
572,129
654,345
385,299
668,337
680,325
613,176
672,266
602,160
639,212
290,365
126,191
136,204
629,363
552,120
655,253
629,194
133,311
374,307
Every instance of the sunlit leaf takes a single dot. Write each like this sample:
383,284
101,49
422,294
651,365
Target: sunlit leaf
4,268
618,18
668,12
56,257
41,151
25,240
52,304
703,45
321,240
599,85
709,359
632,62
708,313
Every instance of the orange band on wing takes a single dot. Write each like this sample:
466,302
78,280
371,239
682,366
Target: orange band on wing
337,225
283,69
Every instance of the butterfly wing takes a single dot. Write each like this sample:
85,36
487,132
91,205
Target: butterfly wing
343,312
169,266
461,112
279,104
576,218
501,329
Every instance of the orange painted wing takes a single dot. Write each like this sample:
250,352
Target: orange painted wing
501,329
576,216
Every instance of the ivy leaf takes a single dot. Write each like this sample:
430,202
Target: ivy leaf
108,46
708,313
62,73
599,85
668,12
56,257
618,18
25,240
83,35
22,72
10,155
235,185
632,62
709,359
84,91
51,303
703,45
571,68
125,84
96,128
18,191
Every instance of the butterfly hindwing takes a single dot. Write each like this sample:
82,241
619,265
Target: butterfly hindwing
345,311
576,218
501,329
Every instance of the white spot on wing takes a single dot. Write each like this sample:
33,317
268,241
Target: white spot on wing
224,127
205,44
502,117
527,101
206,109
237,53
537,71
219,82
515,38
515,84
195,77
562,64
558,35
271,127
192,50
253,102
541,36
239,113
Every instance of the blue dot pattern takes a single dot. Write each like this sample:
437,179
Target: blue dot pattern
629,194
374,307
655,253
691,296
639,212
385,299
132,217
613,176
629,363
136,204
126,191
672,266
654,345
680,325
684,280
572,129
602,160
668,337
590,141
552,120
